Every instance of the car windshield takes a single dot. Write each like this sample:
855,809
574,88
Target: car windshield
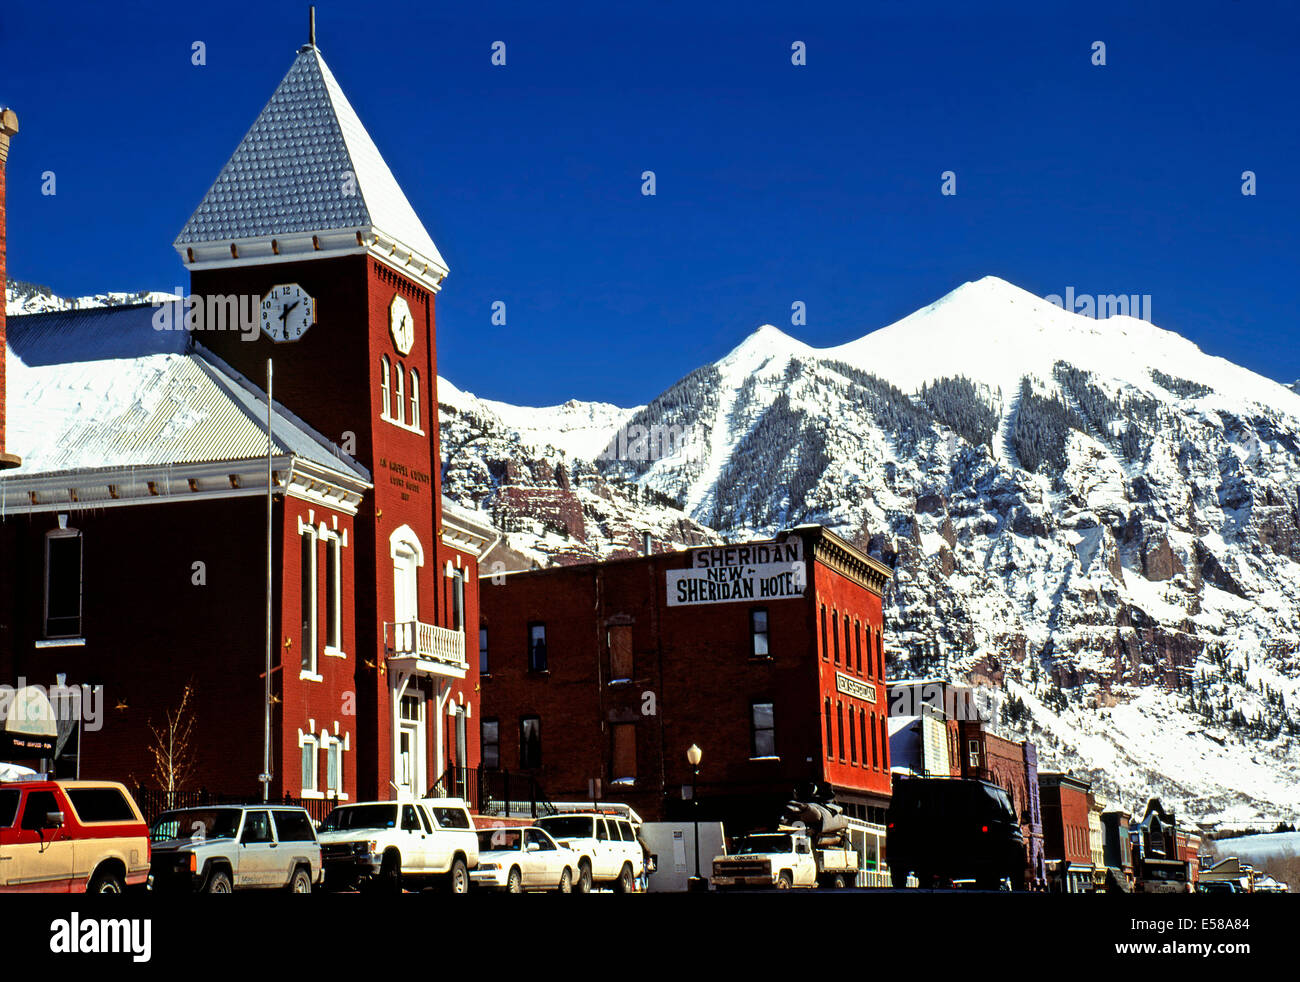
351,817
568,826
196,823
490,840
753,844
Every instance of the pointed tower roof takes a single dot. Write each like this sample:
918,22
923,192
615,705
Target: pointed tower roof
307,179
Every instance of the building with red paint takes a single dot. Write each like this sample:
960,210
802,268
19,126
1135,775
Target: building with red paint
597,678
1066,837
134,532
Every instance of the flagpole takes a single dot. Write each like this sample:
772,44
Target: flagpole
266,702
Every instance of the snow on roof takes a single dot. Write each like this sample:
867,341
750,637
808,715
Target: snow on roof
306,165
102,388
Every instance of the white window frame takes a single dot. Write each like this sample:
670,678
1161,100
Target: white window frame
415,400
335,745
399,391
312,674
385,369
335,543
306,740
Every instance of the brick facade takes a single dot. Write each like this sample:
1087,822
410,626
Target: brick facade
693,677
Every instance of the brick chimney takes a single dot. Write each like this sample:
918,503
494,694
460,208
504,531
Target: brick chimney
8,127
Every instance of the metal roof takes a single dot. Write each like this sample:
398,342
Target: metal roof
306,165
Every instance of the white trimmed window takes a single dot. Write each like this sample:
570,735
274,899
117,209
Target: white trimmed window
334,543
309,609
310,747
385,410
415,399
399,390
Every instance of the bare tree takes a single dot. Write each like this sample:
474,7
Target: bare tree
172,746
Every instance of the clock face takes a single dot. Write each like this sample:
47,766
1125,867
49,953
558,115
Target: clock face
402,325
287,311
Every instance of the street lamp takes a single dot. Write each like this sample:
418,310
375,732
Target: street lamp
694,755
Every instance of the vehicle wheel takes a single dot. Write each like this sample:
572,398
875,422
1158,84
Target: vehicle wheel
785,881
458,878
219,882
566,881
835,882
390,874
624,883
301,882
584,878
105,881
515,881
898,877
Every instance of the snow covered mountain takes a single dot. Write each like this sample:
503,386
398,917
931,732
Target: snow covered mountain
31,298
1093,517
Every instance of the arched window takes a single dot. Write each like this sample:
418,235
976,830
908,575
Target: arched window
383,387
830,733
399,390
415,398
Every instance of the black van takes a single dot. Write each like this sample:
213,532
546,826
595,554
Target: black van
945,829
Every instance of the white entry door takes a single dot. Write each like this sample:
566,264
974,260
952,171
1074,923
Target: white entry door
411,773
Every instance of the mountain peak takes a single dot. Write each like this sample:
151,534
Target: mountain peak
767,342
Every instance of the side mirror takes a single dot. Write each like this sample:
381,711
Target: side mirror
534,847
54,820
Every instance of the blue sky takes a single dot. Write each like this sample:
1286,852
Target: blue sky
775,183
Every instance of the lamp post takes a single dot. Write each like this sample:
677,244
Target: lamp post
694,755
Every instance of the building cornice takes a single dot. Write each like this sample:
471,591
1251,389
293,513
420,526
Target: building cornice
827,548
264,250
466,535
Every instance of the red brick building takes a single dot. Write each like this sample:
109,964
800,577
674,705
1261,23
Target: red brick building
597,678
1066,838
1013,766
133,537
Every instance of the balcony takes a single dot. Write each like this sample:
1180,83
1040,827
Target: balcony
425,648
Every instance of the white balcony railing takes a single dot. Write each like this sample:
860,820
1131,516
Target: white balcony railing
427,642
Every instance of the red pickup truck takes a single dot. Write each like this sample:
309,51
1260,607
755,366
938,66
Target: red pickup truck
71,837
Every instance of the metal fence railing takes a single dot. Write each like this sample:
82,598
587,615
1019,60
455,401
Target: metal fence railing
154,801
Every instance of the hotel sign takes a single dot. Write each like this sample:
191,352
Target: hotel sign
856,688
757,571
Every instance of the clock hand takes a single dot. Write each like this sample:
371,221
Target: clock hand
285,312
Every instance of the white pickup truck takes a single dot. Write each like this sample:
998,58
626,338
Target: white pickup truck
783,860
388,843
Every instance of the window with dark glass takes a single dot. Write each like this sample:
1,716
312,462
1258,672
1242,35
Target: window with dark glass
862,725
830,732
826,651
853,739
848,648
491,753
758,633
457,600
537,647
483,651
334,593
835,635
63,584
307,584
875,751
839,713
763,727
857,643
530,742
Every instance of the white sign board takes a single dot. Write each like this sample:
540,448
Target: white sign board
732,584
789,550
850,686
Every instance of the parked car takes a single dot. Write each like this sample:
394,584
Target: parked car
234,847
608,849
71,837
784,859
387,844
518,860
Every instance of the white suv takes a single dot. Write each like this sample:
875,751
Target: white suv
609,852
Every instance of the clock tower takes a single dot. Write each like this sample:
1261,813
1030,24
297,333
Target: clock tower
307,237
